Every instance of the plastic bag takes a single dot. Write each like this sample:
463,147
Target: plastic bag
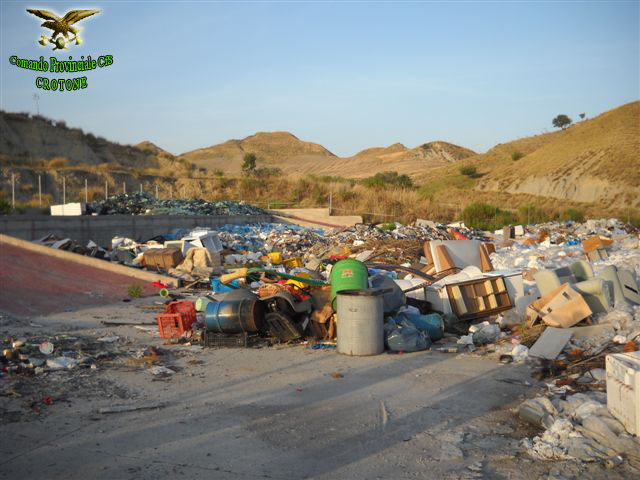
403,336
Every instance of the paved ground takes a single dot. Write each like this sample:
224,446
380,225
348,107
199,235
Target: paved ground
34,284
268,413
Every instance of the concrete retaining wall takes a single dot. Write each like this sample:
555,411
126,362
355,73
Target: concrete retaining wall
101,229
90,262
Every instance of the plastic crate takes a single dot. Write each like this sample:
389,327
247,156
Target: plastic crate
188,309
176,319
172,325
623,389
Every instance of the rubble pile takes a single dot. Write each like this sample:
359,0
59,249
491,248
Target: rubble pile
146,204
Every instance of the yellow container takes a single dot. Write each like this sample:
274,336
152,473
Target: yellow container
295,262
275,258
298,283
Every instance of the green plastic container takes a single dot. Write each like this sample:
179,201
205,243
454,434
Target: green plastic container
348,274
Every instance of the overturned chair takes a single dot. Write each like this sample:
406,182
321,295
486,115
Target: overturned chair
595,291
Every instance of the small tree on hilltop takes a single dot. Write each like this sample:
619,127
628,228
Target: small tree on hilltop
561,121
249,163
582,115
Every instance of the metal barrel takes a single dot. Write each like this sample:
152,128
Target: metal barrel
236,315
360,325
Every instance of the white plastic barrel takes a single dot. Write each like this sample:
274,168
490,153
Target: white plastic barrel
360,322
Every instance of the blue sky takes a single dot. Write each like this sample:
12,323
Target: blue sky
347,75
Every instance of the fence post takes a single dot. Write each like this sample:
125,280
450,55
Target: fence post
64,190
141,188
39,191
13,190
171,192
106,190
156,191
86,192
124,188
330,202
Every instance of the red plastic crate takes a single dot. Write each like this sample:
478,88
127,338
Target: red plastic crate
176,319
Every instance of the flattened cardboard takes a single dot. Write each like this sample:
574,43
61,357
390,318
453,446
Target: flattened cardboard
562,307
596,242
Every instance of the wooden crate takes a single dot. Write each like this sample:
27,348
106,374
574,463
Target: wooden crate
479,298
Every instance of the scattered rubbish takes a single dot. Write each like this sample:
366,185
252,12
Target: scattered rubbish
159,370
109,339
59,363
46,348
130,408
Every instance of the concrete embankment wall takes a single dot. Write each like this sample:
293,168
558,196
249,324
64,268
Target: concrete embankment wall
101,229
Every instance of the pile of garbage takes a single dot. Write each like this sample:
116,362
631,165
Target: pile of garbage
146,204
563,298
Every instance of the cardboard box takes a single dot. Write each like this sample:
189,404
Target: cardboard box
563,307
164,258
596,242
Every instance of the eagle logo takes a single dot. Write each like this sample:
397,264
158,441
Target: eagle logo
62,26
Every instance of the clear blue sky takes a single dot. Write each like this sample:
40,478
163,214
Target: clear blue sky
348,75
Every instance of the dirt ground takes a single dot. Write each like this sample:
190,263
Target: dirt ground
285,412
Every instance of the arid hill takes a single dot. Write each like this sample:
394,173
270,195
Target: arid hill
275,149
36,140
595,160
294,156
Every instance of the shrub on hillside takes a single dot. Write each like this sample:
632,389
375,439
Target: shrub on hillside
388,179
573,214
487,217
517,155
469,171
266,172
530,214
5,207
57,162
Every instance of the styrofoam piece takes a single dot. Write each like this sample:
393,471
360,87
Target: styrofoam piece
519,230
68,209
623,389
